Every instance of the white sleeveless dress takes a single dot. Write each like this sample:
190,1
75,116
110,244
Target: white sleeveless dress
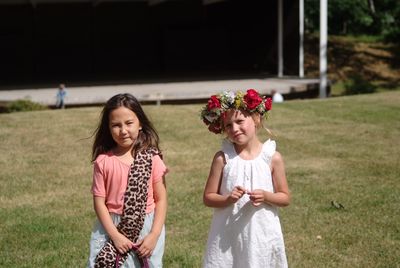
242,235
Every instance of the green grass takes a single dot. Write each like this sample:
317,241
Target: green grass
344,149
361,38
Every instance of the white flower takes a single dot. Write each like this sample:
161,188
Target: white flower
228,97
260,108
211,117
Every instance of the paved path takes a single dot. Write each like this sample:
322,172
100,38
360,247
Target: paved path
159,92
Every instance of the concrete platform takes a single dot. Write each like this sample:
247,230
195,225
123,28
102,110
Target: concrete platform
173,92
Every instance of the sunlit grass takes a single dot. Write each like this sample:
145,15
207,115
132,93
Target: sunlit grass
343,149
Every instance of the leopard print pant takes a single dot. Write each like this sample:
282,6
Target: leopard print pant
135,202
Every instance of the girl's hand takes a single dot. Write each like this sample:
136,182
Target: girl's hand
146,245
121,243
237,193
257,197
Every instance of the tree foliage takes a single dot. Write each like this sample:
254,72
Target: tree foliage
357,17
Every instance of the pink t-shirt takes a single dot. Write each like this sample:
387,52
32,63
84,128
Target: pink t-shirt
110,178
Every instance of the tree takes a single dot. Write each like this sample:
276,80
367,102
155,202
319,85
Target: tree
357,17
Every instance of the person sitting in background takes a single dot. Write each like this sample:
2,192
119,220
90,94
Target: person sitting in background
276,96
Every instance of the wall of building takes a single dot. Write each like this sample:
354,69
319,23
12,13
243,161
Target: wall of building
120,41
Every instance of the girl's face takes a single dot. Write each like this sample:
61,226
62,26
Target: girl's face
124,127
239,126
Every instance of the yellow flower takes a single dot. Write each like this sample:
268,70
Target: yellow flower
239,100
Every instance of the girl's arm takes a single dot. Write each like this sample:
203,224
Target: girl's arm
121,243
281,196
211,196
147,245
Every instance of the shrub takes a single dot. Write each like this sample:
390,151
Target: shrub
357,85
24,105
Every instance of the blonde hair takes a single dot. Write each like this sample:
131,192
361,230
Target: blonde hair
259,121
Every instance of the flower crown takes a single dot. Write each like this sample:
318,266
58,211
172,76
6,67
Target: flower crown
216,107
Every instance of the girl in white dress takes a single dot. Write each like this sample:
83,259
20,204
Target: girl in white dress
245,186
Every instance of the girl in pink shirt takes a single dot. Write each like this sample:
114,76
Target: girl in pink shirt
129,193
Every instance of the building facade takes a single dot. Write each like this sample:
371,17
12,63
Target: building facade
77,41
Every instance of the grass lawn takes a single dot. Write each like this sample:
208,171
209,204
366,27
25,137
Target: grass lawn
343,149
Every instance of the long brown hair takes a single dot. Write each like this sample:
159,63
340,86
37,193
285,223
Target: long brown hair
104,142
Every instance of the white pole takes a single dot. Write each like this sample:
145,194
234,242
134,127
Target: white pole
280,38
301,32
323,46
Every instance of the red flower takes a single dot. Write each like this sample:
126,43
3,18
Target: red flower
213,102
268,104
252,99
215,128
